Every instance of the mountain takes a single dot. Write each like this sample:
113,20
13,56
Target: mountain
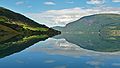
59,28
100,32
92,23
15,23
102,24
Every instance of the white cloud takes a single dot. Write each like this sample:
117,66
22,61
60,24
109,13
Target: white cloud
96,64
56,17
29,6
64,66
116,64
93,63
95,1
49,3
62,17
115,0
19,3
20,61
49,61
70,2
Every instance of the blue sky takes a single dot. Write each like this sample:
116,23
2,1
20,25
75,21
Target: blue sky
67,9
39,5
26,6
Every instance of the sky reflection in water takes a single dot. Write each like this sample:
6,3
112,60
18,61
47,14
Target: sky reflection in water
58,53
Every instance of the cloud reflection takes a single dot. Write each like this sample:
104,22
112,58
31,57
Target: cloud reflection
62,47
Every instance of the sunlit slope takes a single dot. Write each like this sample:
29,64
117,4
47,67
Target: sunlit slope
22,24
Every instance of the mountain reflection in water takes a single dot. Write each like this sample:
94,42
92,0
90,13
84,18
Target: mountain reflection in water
93,41
62,51
71,42
10,44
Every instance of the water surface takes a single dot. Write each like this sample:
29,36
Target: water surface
63,51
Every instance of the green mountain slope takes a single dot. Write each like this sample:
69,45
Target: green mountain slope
103,24
22,24
93,22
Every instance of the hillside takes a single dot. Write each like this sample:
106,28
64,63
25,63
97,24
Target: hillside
21,24
93,22
99,32
103,23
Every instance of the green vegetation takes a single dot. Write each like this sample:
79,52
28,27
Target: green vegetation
22,25
92,23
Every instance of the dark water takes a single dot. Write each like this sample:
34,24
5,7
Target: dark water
63,51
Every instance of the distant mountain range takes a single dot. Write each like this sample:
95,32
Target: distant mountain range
99,23
14,23
100,32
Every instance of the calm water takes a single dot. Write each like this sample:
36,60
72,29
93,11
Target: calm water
63,51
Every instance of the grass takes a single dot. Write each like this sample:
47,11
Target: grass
25,26
35,29
3,19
